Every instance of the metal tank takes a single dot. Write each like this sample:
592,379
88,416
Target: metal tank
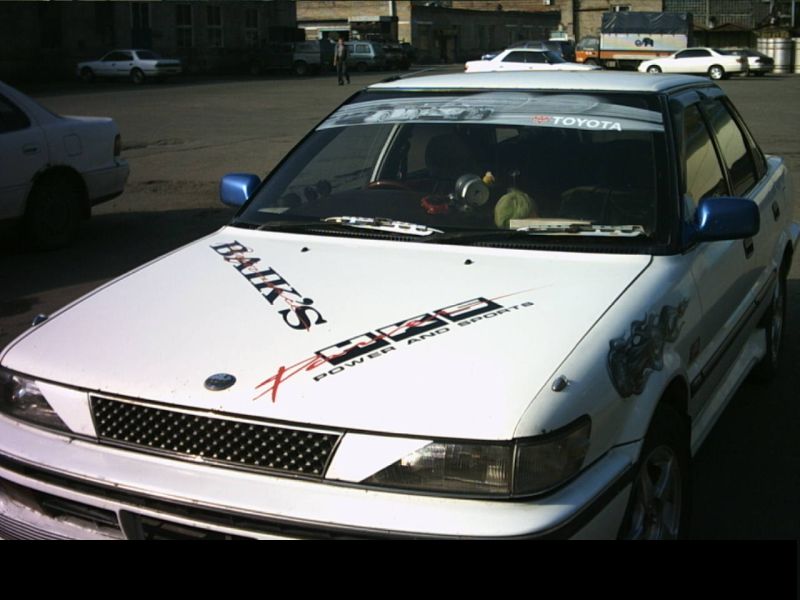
796,54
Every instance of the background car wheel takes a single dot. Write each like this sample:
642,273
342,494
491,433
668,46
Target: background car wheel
716,72
773,322
362,67
87,75
301,68
653,69
658,508
53,214
137,76
759,73
591,62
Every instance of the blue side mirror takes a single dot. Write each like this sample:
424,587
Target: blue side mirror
726,218
236,188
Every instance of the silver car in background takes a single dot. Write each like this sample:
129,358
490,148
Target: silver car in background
758,63
136,65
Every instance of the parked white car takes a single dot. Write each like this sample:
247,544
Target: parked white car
501,305
758,63
136,65
54,168
525,59
715,63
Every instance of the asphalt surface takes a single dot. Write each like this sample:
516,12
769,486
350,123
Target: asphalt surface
180,138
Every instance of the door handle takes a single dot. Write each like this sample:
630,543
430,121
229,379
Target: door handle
749,247
776,210
30,149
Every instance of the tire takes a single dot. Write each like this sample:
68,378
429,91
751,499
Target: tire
591,62
716,72
654,69
137,76
301,68
774,323
362,67
53,213
658,507
87,75
759,73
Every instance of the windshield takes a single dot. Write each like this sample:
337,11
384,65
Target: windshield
566,164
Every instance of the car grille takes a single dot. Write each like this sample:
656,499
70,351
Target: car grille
233,443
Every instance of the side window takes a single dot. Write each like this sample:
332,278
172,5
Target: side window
362,49
515,57
536,57
704,176
11,117
685,54
733,147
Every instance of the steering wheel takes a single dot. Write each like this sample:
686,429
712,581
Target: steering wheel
388,184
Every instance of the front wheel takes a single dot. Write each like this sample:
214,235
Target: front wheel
653,69
87,75
658,508
716,72
301,68
137,76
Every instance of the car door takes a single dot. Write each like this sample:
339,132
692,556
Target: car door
106,65
123,64
23,151
684,61
729,275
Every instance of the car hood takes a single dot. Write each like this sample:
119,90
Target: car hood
431,340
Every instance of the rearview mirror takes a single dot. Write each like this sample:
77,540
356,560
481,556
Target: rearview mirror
725,218
236,188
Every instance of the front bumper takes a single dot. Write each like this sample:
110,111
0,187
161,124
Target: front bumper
61,487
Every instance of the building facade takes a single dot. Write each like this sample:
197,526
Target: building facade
441,32
47,39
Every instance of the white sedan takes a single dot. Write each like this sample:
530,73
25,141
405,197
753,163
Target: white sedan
136,65
54,168
717,64
465,306
525,59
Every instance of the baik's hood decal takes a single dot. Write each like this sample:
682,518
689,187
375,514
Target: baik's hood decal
396,337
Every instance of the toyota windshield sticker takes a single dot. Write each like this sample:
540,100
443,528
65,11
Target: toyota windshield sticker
572,111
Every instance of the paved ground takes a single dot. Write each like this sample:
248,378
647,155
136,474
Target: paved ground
181,138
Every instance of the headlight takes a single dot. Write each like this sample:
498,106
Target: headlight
20,398
522,468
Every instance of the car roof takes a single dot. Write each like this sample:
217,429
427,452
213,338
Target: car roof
562,80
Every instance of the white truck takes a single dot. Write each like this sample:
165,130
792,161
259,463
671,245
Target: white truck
628,38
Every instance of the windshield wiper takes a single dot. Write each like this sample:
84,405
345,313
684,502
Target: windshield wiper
561,228
347,222
384,224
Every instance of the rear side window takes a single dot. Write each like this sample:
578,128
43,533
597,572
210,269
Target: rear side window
732,145
704,176
516,57
11,117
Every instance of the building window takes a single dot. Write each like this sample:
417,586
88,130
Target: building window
183,21
621,7
251,27
214,26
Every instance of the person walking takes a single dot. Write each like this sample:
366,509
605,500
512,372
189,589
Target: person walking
340,61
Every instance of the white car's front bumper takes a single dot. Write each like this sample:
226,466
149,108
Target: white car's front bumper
55,485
